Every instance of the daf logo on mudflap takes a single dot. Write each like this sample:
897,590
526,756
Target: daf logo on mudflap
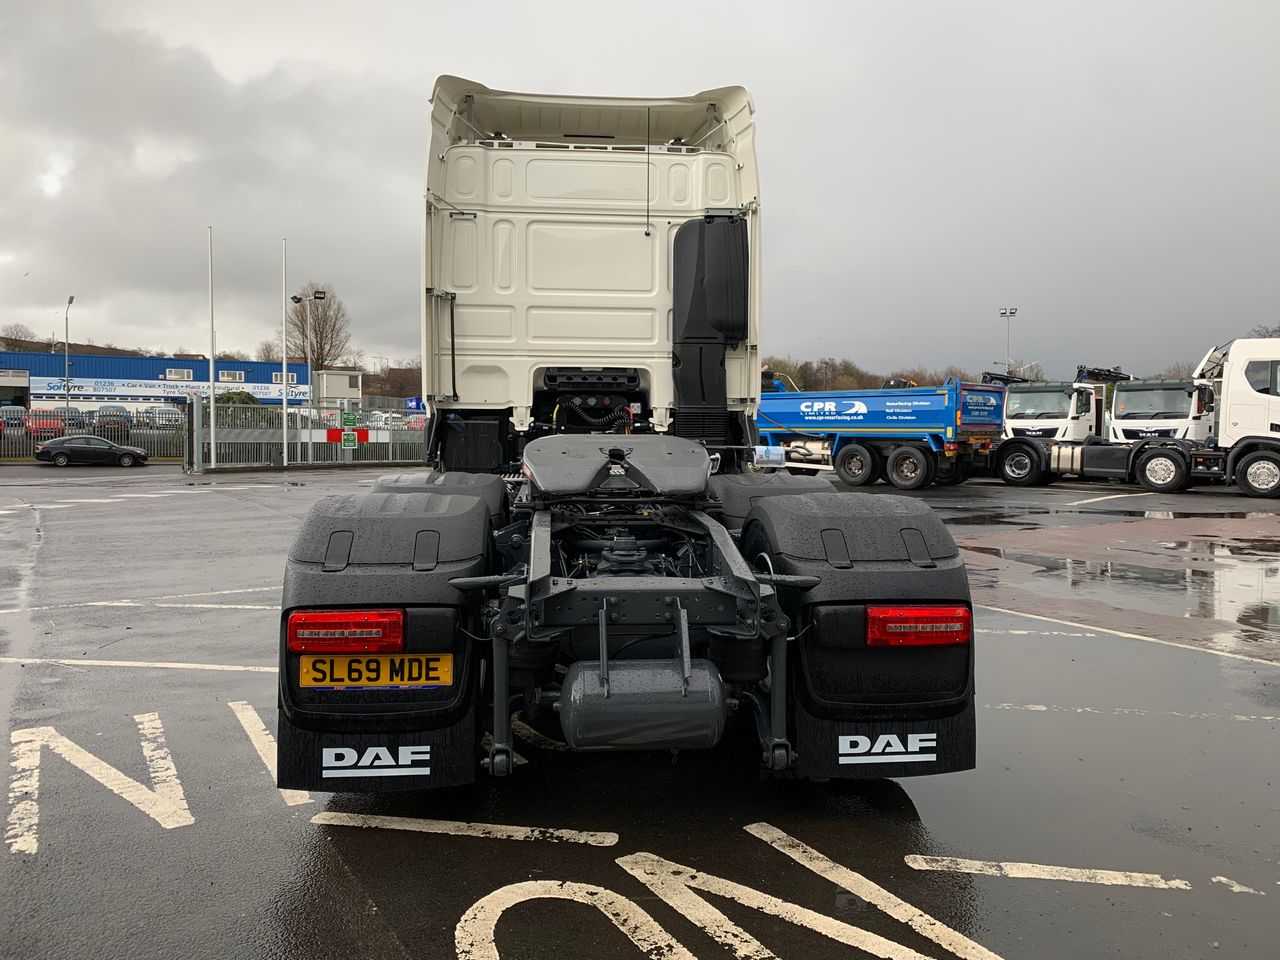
888,748
376,762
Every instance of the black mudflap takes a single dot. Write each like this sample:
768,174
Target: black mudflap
378,762
852,749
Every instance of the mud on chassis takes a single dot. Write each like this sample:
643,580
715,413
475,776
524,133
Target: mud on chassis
625,595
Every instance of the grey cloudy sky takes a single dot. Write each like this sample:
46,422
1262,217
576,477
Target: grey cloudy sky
1111,168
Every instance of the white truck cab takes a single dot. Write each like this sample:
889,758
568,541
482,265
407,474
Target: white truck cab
1163,408
1055,410
1245,375
588,263
1059,411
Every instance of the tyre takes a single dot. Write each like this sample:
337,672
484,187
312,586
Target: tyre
1019,466
910,468
958,474
1162,471
856,465
61,459
1258,474
127,460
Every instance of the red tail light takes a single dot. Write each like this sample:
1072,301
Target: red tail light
918,626
346,631
39,447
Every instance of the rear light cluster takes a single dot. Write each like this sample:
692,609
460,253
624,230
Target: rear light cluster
346,631
893,626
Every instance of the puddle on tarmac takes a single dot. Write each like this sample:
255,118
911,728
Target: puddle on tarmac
985,516
1235,581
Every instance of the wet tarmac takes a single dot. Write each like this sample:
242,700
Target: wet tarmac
1125,803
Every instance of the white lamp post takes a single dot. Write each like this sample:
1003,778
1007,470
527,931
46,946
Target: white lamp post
1008,313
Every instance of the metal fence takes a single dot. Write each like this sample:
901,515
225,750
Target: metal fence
252,436
162,433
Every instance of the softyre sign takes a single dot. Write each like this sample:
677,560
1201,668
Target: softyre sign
54,388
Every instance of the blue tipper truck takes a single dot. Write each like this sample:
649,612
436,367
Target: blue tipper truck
910,437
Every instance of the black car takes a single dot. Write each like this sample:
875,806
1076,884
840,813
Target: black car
67,450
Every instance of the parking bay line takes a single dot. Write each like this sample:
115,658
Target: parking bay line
457,828
1041,871
139,664
1127,636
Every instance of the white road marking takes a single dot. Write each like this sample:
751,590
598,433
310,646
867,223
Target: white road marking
474,936
457,828
206,606
140,664
139,600
1128,636
675,885
1131,712
1037,633
919,921
1113,496
95,500
1237,887
142,496
1041,871
265,744
164,802
143,605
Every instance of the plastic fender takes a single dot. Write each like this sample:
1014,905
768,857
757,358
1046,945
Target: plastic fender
1137,449
1039,446
1248,445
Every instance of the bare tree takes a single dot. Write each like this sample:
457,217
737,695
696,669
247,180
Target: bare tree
232,355
268,351
1030,371
325,323
17,331
1180,370
1265,331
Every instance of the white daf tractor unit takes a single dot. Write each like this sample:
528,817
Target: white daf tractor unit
587,545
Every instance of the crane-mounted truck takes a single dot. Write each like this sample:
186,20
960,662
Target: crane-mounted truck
1237,383
588,546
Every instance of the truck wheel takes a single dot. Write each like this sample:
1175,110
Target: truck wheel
1162,471
910,468
958,474
856,465
1258,474
1019,467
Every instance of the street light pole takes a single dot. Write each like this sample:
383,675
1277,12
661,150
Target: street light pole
305,303
1008,313
284,352
213,353
66,362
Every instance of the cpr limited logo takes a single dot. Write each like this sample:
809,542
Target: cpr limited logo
376,762
888,748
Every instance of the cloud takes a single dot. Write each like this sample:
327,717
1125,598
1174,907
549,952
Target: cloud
1109,169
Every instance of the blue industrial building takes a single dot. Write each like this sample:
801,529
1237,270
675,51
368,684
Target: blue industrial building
115,379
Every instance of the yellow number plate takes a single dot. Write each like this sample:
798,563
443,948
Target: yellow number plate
365,672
